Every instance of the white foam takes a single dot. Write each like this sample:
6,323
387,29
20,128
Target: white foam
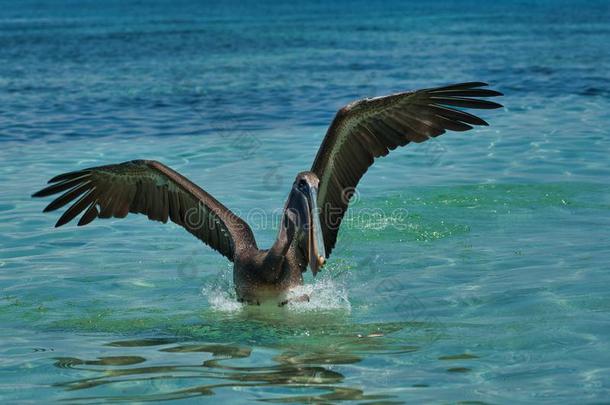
221,300
324,294
220,292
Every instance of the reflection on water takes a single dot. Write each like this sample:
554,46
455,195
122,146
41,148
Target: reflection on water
184,368
266,353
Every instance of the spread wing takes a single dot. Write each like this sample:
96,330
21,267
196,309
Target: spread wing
372,127
151,188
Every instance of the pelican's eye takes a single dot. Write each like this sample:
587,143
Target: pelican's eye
302,185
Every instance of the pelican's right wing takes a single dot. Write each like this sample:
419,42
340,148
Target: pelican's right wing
372,127
151,188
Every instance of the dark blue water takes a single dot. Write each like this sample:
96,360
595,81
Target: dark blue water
493,289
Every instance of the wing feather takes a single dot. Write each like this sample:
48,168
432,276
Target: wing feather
89,215
68,196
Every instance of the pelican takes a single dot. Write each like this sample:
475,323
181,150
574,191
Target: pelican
317,201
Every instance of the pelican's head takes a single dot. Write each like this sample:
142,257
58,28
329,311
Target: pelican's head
303,203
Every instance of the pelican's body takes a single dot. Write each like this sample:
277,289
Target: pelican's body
255,282
316,203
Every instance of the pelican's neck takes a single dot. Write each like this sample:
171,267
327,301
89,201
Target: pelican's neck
274,258
285,236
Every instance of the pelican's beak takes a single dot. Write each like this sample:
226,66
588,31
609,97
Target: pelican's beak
303,202
317,253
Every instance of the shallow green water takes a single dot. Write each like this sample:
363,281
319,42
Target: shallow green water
470,268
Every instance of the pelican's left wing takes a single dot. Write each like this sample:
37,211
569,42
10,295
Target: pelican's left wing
372,127
151,188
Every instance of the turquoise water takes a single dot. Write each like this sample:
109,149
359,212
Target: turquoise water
491,285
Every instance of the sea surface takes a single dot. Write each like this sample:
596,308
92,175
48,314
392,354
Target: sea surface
484,278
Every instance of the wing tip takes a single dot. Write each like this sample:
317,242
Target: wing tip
68,176
466,87
493,105
59,177
64,219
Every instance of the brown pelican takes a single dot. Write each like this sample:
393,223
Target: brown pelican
360,132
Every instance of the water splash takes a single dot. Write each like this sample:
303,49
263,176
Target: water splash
325,293
221,300
220,293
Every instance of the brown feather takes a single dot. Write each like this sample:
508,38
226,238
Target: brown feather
59,187
69,176
89,215
452,114
67,197
76,208
452,124
465,102
469,93
459,86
